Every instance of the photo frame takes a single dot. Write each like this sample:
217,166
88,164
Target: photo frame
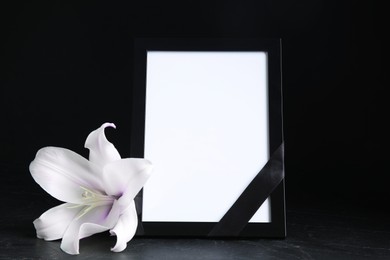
208,114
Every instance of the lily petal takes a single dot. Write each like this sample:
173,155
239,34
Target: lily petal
98,219
125,228
63,174
52,224
126,176
101,151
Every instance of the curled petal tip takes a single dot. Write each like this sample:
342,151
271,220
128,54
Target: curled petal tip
101,151
109,125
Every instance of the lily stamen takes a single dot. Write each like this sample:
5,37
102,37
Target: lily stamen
93,198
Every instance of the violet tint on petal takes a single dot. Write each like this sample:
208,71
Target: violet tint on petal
98,219
126,175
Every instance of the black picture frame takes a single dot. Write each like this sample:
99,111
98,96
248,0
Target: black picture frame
265,184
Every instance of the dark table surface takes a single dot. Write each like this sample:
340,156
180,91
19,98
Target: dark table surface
337,229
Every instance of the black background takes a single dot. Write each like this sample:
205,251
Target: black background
67,68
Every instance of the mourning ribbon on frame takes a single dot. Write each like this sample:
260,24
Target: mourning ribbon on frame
261,187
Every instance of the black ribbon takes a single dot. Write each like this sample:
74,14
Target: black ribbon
261,187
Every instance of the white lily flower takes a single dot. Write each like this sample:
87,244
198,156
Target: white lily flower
98,193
